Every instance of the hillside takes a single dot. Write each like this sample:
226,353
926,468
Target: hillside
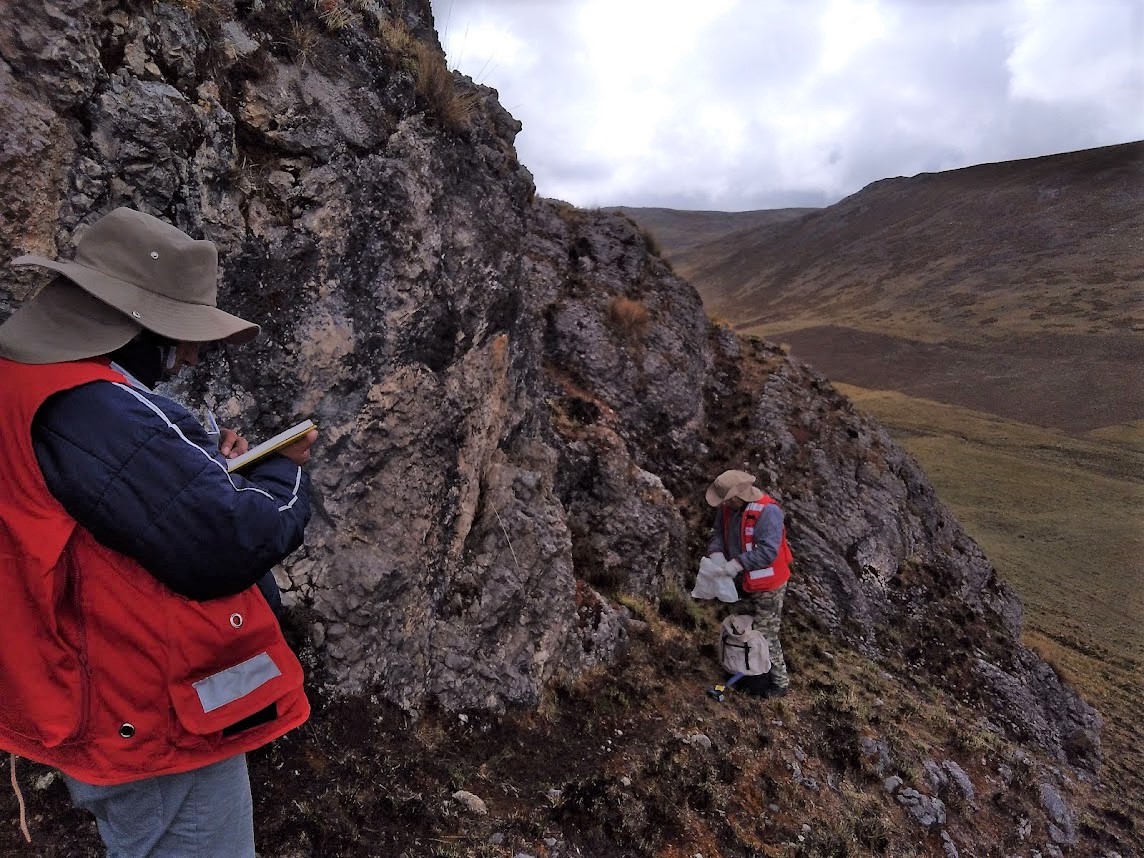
1008,317
993,473
521,405
981,253
684,230
1025,277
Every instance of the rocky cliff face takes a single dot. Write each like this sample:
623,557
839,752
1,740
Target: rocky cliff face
520,404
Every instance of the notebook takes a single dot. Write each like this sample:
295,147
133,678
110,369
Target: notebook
271,445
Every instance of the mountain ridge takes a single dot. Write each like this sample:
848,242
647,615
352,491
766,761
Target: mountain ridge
875,233
1033,264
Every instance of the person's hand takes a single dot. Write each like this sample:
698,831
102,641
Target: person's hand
732,568
299,451
231,444
718,558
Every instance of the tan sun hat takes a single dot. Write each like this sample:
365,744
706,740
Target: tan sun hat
732,484
62,322
152,273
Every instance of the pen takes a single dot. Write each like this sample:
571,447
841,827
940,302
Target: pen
212,425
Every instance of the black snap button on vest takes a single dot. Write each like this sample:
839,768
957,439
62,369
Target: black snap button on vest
236,620
127,731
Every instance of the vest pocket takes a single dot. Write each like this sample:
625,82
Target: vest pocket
218,701
244,665
46,678
757,579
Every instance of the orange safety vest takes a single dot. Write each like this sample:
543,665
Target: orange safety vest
775,575
105,673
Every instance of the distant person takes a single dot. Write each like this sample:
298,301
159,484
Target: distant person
140,656
748,529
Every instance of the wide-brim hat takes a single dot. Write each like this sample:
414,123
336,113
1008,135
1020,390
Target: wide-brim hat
153,273
63,322
732,484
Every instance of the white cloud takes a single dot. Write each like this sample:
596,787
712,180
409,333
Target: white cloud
850,28
1069,57
751,104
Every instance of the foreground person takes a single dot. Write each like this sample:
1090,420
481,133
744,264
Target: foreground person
148,659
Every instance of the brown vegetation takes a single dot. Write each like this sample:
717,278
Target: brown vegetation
1053,380
652,244
969,256
304,39
436,85
396,36
629,317
335,14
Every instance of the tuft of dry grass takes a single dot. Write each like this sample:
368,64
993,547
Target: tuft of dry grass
335,14
437,86
395,36
629,317
304,39
652,243
452,107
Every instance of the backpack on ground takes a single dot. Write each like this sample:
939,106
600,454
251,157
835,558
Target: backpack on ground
743,650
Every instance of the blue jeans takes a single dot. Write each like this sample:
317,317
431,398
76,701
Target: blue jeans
205,813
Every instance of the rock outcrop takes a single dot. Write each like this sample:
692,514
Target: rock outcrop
520,403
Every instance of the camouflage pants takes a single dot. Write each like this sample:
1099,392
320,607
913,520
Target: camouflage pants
767,606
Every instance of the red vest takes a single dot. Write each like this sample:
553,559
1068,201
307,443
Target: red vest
775,575
104,672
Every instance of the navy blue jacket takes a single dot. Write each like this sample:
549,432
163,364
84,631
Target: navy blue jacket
139,472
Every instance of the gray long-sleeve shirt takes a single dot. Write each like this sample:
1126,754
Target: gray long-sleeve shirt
768,535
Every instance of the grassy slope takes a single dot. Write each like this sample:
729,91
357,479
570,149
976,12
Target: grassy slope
1060,517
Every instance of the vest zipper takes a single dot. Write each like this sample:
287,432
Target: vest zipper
81,640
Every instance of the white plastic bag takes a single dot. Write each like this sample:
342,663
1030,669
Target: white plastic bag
712,582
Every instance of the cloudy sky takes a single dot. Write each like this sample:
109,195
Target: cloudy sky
750,104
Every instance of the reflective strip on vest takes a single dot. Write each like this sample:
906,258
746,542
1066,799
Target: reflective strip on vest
756,574
751,515
229,685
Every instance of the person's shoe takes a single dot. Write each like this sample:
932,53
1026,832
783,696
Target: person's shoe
776,691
